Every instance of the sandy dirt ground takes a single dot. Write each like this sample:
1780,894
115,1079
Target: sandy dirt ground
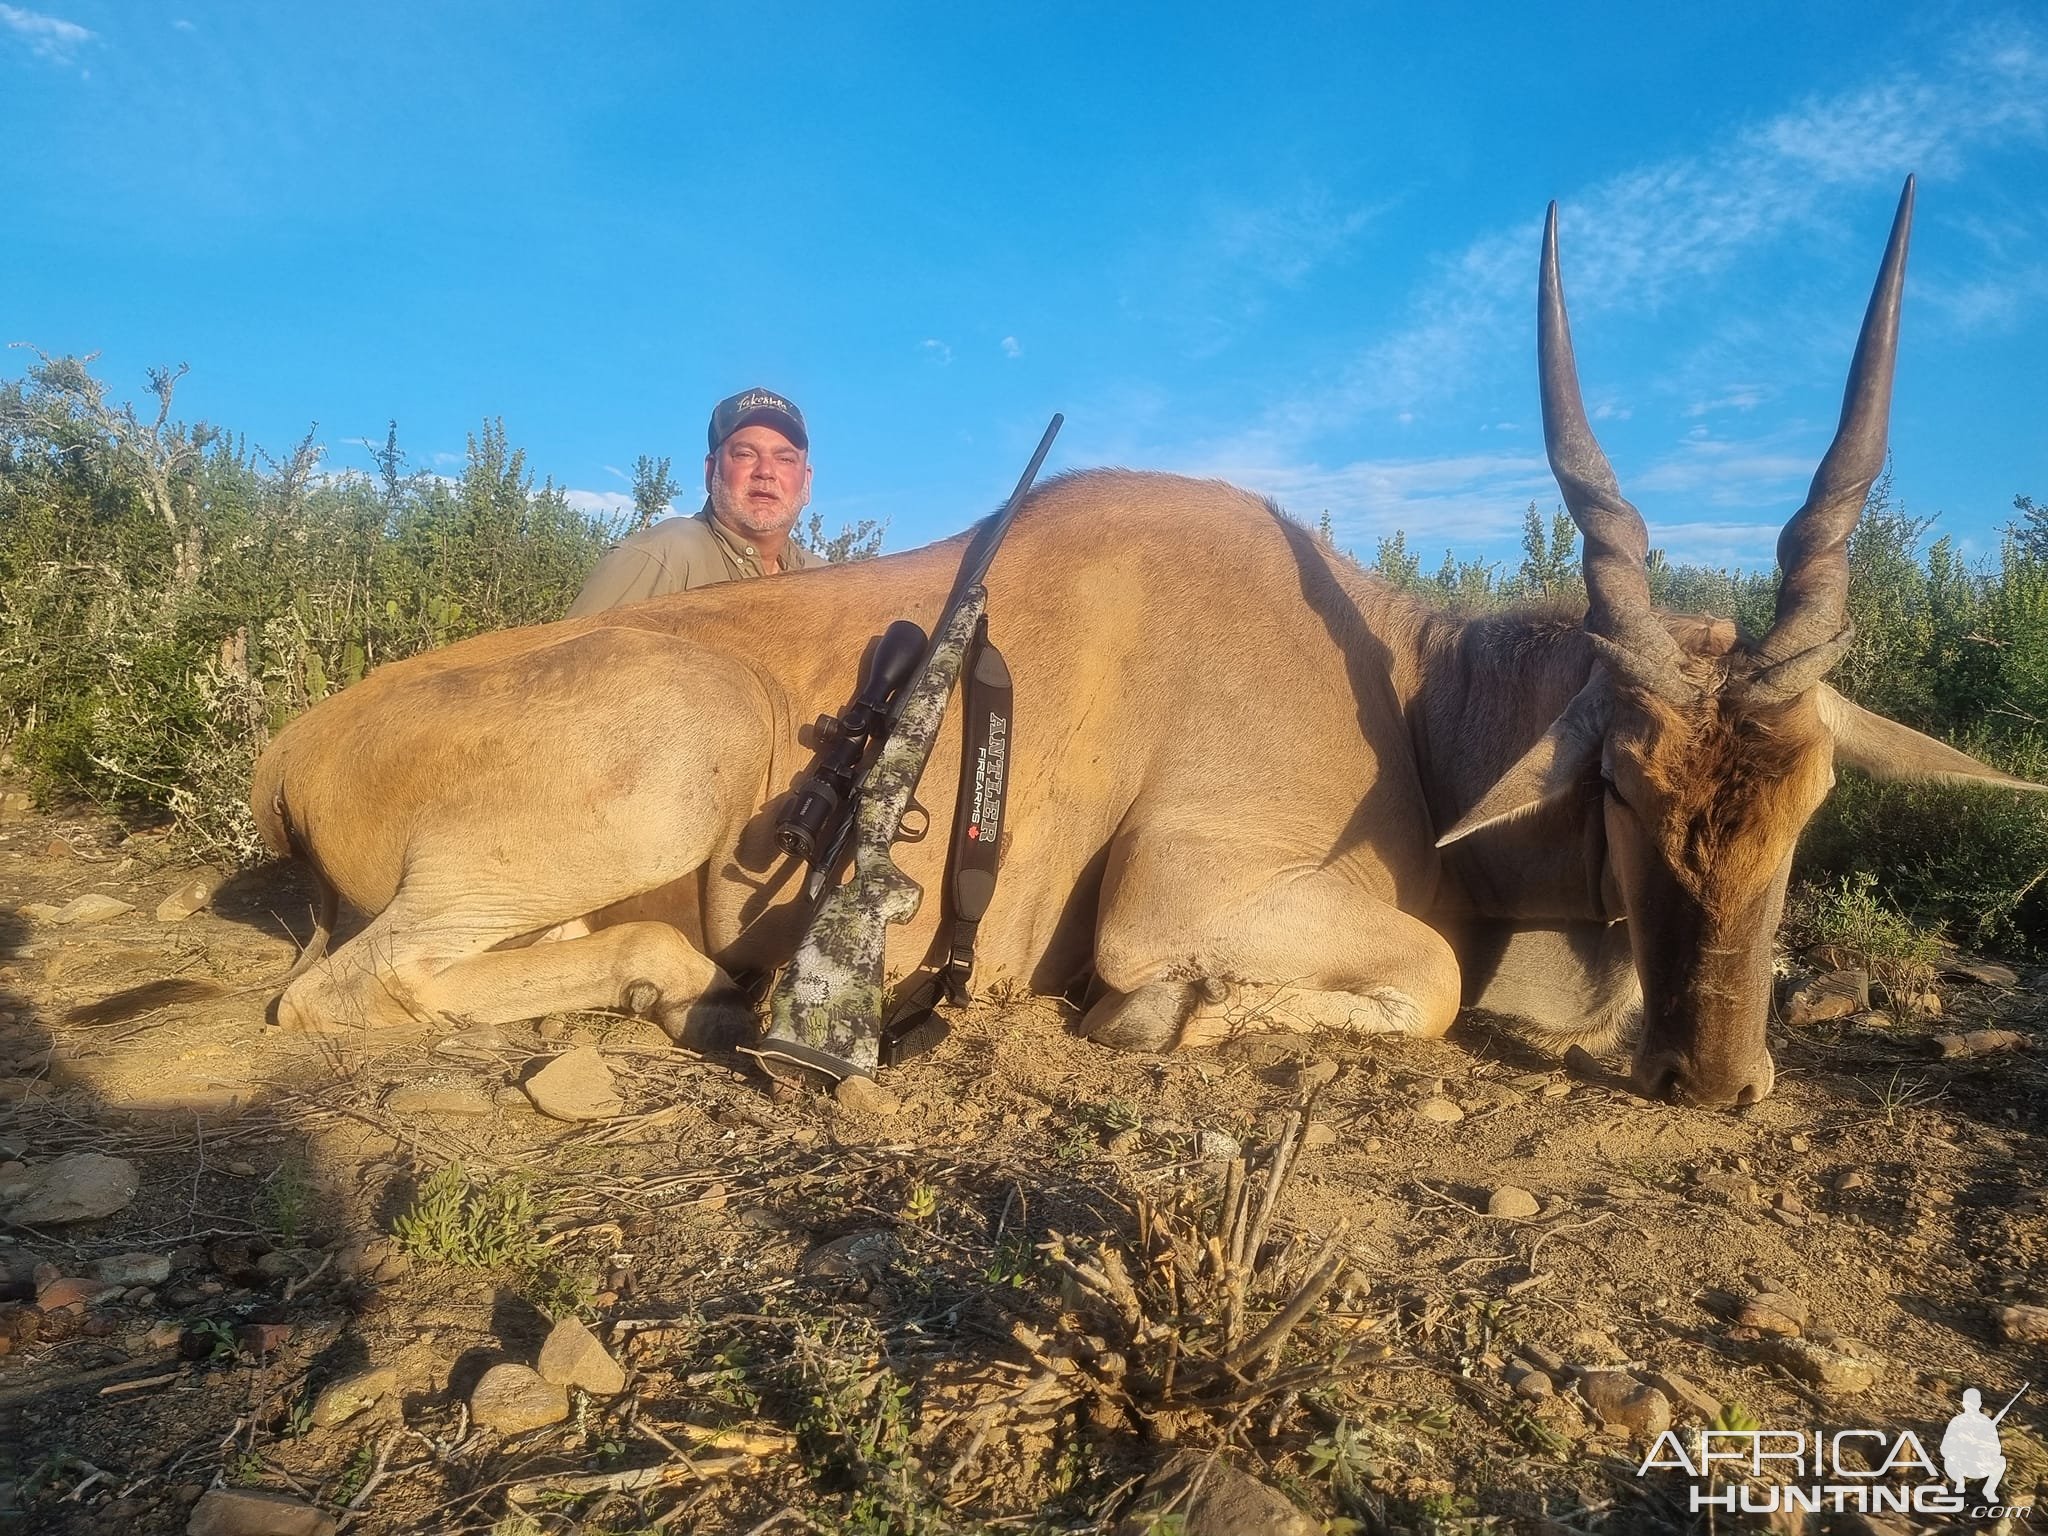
999,1305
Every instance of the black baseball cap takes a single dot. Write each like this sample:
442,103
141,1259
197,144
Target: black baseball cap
758,405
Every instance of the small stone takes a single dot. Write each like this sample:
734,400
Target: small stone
81,1187
376,1259
1987,973
572,1357
1513,1202
1980,1042
1320,1134
194,895
1833,996
1534,1385
287,1263
92,907
340,1401
1583,1064
240,1169
1774,1314
1307,1076
1686,1394
250,1512
1622,1402
73,1291
864,1096
162,1336
441,1093
1217,1146
1440,1110
1851,1181
576,1085
1785,1200
1801,1143
133,1269
1556,1090
865,1254
1833,1370
1213,1498
2022,1324
515,1398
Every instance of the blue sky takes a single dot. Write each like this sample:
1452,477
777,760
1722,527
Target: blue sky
1296,252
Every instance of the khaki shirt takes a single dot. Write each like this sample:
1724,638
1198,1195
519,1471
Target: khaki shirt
676,554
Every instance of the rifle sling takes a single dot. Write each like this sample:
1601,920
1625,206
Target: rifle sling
973,860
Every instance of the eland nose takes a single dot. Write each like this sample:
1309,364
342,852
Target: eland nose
1672,1075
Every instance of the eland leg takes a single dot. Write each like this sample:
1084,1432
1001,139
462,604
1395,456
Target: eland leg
1192,951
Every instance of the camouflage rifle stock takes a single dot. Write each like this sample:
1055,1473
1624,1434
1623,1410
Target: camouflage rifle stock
825,1015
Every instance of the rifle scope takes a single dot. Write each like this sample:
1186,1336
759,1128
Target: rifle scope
842,741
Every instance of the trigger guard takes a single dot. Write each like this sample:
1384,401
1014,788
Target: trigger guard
907,833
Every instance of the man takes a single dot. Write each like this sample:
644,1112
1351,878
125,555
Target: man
757,477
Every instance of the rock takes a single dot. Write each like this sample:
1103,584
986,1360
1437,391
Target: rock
133,1269
515,1398
1307,1076
865,1096
14,805
1835,995
1320,1134
1987,973
1774,1314
1686,1394
287,1263
1980,1042
376,1259
1833,1370
1534,1385
2022,1324
340,1401
441,1093
1584,1065
92,907
1440,1110
1851,1181
576,1085
249,1512
1217,1146
1224,1502
73,1291
81,1187
1513,1202
195,895
857,1253
1622,1402
572,1357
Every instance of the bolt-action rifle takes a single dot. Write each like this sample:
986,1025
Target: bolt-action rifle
825,1014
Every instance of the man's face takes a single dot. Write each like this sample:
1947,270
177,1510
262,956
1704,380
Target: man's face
759,481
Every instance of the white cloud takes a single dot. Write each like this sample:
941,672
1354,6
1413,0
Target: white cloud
47,37
183,25
937,350
599,503
1011,347
1737,397
1648,235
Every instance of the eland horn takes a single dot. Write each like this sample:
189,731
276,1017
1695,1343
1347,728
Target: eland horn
1812,626
1632,640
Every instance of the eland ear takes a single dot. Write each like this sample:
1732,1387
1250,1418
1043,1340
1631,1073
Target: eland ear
1550,768
1885,749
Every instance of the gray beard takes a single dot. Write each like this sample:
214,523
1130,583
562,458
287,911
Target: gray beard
730,507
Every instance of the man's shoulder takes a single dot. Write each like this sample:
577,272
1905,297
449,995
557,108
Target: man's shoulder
692,535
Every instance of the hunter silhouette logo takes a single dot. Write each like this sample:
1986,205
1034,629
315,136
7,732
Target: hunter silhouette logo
1870,1471
1970,1448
